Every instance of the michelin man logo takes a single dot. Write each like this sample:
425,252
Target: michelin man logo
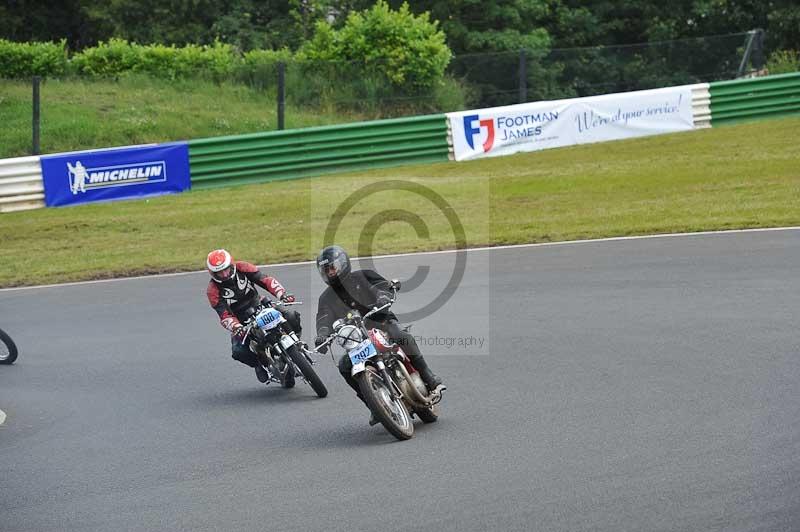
77,177
82,179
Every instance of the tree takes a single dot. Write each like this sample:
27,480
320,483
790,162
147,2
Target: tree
408,50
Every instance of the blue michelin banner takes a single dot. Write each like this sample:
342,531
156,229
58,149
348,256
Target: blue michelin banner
116,173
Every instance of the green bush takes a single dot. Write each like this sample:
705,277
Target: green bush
393,66
19,59
408,50
783,62
106,59
117,56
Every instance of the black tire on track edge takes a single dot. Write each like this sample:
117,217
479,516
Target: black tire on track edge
11,346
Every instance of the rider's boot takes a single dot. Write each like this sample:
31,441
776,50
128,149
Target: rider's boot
372,419
431,380
261,374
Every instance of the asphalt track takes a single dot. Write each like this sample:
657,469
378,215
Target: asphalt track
635,385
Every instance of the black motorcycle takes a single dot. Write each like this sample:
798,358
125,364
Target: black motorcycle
278,349
8,349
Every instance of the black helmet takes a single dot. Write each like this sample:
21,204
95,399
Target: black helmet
333,264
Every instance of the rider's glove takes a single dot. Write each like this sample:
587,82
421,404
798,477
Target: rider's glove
287,298
318,341
383,300
239,332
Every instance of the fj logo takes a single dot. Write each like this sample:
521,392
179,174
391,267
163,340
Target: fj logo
470,131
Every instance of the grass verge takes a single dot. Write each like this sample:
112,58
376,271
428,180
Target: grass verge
84,114
733,177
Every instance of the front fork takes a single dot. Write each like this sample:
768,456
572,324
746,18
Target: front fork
394,391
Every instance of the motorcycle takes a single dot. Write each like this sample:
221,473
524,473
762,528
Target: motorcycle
8,349
278,349
390,385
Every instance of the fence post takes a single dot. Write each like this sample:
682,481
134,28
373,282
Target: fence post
281,93
523,77
36,115
758,50
751,37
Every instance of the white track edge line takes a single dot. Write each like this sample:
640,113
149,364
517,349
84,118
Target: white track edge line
2,417
396,255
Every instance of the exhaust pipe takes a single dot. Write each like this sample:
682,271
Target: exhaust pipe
416,395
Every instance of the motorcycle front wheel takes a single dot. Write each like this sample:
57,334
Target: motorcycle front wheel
302,363
391,412
8,349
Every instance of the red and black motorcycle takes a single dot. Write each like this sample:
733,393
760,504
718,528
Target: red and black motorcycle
388,382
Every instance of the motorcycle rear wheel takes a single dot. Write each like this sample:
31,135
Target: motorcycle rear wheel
392,413
8,349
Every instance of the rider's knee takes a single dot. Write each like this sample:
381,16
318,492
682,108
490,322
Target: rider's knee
241,354
294,319
345,366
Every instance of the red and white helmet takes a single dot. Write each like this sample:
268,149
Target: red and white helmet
220,265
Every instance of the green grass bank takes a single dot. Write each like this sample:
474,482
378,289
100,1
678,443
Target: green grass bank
86,114
733,177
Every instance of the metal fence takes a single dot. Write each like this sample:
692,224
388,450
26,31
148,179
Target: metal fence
532,75
21,185
749,99
240,159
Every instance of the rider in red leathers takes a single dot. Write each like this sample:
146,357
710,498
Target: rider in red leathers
233,295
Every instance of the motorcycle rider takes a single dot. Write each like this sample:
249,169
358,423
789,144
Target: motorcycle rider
233,295
362,290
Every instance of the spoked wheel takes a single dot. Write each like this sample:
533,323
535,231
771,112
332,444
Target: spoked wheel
302,363
8,349
391,412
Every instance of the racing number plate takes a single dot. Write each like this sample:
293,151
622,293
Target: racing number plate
269,318
362,352
287,341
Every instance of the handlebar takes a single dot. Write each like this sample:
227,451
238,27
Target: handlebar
326,343
375,310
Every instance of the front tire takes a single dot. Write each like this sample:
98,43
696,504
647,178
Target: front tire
8,349
392,413
302,363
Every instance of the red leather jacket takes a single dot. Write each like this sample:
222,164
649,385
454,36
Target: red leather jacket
232,298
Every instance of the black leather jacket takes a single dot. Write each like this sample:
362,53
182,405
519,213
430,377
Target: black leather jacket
359,291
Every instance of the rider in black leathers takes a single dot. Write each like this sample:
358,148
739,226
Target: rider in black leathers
362,290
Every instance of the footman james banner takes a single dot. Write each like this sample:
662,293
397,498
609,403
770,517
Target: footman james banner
116,173
553,124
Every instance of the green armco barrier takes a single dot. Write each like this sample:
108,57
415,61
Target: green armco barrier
259,157
752,99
